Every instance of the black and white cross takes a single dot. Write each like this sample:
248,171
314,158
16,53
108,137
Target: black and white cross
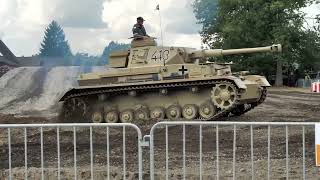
183,70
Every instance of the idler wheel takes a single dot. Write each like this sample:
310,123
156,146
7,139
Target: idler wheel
190,111
76,106
74,110
224,95
141,114
207,110
97,117
157,113
127,116
173,112
112,116
81,106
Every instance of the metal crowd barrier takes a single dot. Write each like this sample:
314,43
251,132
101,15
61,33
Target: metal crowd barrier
217,126
220,133
74,127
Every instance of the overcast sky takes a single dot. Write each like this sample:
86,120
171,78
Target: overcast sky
91,24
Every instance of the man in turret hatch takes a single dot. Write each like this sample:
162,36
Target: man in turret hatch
138,29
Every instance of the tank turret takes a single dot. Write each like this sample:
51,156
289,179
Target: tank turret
146,53
150,82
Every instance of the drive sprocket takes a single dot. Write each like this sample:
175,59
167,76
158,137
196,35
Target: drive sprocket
224,95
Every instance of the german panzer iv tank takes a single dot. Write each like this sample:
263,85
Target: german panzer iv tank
165,83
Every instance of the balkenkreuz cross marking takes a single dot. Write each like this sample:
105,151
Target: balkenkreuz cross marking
183,70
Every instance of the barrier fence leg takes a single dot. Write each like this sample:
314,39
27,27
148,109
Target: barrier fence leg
303,153
25,155
91,153
140,158
269,154
167,154
151,158
75,152
252,157
9,148
184,151
217,150
200,149
41,140
124,151
287,153
108,155
58,150
234,151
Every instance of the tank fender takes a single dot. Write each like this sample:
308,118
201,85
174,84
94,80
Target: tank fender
261,80
264,82
238,82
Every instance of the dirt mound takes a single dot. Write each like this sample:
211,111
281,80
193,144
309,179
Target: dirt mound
35,91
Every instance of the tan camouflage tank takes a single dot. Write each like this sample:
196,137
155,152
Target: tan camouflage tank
165,83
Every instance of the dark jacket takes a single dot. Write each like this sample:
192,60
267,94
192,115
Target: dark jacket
139,30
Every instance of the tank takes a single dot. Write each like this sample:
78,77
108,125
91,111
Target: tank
165,83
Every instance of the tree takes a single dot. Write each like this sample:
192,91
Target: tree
318,24
111,47
251,23
54,43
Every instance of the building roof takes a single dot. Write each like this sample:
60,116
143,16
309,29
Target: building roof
8,58
4,60
6,53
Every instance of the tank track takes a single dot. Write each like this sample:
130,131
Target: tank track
252,105
116,90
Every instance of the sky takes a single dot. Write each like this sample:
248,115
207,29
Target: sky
90,25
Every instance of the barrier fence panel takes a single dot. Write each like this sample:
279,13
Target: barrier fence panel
232,150
70,151
178,150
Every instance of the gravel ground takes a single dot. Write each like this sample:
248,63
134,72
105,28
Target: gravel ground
282,105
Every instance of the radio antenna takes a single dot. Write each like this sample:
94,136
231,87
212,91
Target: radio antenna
161,36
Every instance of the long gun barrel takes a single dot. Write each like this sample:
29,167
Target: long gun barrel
220,52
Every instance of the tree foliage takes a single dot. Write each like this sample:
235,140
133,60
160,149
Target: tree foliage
54,43
84,59
250,23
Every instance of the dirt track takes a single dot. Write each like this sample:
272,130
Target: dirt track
290,105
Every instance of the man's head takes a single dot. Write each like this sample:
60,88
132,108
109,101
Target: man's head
140,20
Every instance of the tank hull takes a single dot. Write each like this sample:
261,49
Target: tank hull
146,96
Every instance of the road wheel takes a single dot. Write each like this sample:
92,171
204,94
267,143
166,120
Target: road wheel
112,116
157,113
127,116
173,112
97,117
207,110
141,114
190,111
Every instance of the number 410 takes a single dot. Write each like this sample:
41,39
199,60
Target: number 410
160,55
